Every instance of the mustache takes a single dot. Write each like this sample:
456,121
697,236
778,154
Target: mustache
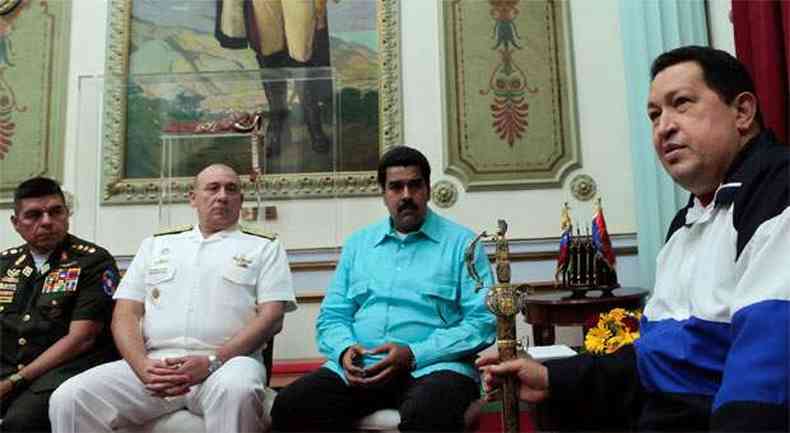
407,204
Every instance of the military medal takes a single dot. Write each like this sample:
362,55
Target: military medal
27,271
61,280
7,290
45,268
12,273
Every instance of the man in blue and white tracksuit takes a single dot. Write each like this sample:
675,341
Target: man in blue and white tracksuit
713,353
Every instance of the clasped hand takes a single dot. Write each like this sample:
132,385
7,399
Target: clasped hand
533,377
172,377
397,359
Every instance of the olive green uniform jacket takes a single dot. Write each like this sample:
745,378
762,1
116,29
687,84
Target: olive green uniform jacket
36,308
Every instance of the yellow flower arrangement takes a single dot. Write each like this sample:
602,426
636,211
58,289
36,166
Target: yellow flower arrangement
613,330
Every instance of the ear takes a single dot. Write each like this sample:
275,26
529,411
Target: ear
745,105
192,198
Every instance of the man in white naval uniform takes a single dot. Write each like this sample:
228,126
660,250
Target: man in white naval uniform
209,298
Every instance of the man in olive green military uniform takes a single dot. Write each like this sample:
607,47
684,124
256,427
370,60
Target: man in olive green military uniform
55,306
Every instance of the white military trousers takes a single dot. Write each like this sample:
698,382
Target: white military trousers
110,396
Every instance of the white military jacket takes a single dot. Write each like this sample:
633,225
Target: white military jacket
199,293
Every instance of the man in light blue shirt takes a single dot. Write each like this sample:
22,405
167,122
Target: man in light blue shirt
401,321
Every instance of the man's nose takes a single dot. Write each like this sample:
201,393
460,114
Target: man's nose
665,126
46,219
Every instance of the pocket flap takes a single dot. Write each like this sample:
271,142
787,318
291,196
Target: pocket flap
239,275
445,292
358,289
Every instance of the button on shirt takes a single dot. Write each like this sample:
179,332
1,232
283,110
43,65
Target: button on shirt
199,293
413,291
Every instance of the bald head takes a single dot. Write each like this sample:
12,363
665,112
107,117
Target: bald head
216,196
212,168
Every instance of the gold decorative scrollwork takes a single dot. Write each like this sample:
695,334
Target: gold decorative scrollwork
583,187
444,194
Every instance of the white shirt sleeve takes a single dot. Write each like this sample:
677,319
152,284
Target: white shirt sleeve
274,281
132,285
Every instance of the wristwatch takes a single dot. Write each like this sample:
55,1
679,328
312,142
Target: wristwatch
214,363
17,379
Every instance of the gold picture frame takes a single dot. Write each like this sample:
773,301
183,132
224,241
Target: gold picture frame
117,188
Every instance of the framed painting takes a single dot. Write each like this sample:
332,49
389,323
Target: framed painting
34,54
511,93
169,65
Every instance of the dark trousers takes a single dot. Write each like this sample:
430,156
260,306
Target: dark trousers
25,411
321,401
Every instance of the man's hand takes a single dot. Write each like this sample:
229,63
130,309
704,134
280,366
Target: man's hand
162,380
397,360
534,376
352,365
194,367
5,388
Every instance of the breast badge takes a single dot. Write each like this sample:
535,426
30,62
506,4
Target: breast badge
242,261
61,280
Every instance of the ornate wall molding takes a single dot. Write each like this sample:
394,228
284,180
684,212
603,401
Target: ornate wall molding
583,187
511,94
444,194
34,59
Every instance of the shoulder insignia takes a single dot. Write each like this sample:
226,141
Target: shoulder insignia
83,248
257,231
174,230
11,252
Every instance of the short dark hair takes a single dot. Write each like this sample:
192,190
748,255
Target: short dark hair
37,187
722,73
403,156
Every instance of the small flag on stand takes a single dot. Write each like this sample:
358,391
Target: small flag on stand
600,237
565,241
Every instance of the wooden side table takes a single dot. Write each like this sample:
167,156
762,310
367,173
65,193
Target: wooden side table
545,311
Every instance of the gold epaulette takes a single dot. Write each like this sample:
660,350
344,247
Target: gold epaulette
174,230
83,248
11,252
257,231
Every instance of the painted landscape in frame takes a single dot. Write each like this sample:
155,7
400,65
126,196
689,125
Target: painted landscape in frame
173,39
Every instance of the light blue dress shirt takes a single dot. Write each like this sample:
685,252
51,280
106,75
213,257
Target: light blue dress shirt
414,291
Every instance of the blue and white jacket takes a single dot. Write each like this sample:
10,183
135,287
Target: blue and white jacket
714,352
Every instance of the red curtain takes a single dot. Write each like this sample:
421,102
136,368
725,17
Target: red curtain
762,43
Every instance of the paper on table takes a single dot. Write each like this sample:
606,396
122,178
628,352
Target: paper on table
545,353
